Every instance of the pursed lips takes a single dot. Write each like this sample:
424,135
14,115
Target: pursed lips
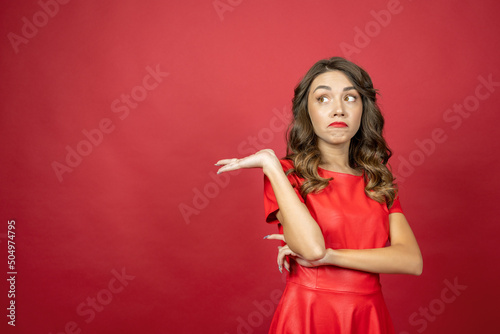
338,125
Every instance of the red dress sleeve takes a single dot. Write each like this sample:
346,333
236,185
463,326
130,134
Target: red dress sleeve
396,206
270,202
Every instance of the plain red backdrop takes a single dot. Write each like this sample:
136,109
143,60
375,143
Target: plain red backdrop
134,233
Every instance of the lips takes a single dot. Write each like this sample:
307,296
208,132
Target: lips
338,125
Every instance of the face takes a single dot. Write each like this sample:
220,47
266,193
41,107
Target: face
335,108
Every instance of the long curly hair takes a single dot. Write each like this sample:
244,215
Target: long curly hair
368,150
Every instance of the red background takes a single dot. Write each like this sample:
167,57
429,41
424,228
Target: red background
231,71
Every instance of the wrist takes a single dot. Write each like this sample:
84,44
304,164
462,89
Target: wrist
273,169
329,258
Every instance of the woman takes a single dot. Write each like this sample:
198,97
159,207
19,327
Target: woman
336,205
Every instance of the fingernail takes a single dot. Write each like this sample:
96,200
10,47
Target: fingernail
281,271
216,164
267,236
218,172
287,269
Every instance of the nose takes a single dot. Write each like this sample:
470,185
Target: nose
337,110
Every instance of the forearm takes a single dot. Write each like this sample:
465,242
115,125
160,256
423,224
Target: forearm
301,231
394,259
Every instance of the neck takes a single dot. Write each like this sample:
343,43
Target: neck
335,157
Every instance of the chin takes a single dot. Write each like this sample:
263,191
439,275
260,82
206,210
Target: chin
337,141
340,140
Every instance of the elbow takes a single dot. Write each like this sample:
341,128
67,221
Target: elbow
410,261
314,253
417,266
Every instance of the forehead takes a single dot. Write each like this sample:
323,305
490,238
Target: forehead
336,80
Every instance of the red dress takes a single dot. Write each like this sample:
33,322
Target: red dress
330,299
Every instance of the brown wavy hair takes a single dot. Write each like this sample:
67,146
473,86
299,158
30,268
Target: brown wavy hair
368,150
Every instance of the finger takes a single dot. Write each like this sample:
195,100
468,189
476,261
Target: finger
225,161
290,252
280,258
230,166
227,164
287,265
275,237
282,253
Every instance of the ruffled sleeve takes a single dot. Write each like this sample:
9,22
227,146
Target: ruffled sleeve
270,201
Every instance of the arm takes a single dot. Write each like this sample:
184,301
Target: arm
401,257
301,231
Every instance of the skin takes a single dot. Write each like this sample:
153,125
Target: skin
331,98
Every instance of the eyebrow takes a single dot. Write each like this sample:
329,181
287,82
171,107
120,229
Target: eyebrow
329,88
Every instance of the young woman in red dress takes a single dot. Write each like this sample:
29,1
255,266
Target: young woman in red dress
336,205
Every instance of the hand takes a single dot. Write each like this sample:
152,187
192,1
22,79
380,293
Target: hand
265,159
284,251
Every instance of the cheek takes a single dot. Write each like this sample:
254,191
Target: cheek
358,114
356,119
313,114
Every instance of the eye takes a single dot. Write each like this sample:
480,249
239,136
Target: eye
350,98
322,99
